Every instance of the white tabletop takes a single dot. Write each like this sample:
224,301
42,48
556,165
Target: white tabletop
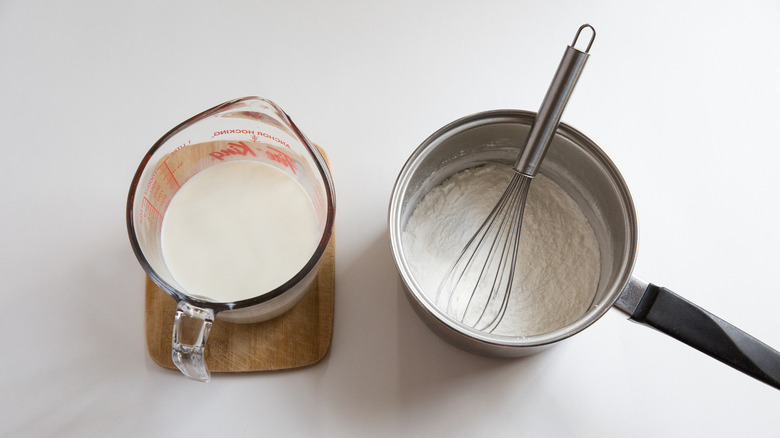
683,96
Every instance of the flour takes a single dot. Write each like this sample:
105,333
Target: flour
558,260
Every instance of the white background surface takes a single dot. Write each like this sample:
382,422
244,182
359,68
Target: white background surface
683,96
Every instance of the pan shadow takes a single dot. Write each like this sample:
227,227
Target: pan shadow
420,373
432,370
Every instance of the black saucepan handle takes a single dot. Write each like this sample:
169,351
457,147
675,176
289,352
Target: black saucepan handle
669,313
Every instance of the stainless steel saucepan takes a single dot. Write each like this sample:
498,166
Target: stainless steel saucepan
581,168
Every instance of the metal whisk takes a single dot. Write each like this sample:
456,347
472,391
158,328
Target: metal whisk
482,275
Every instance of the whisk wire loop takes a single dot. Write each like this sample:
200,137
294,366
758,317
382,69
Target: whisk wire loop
515,212
498,248
491,252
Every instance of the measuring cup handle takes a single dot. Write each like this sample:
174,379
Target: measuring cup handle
191,327
669,313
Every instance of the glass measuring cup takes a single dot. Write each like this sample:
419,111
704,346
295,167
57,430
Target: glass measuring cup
251,129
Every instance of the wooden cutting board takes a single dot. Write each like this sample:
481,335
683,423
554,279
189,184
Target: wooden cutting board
298,338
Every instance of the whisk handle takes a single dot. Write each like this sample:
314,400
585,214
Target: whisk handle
673,315
551,110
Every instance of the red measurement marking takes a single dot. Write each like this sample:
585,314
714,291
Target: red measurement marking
148,204
170,173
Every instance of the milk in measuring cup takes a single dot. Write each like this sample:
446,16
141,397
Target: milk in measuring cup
237,230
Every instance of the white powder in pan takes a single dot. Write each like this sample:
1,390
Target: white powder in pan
558,260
